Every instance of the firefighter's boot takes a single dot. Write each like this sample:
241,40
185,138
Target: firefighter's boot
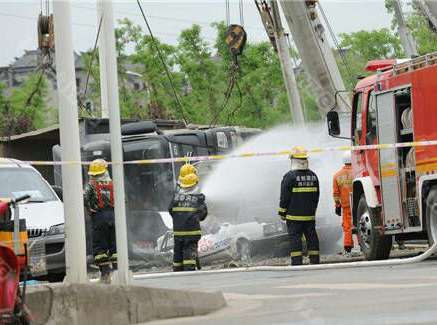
113,260
105,274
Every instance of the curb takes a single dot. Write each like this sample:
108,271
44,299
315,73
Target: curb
96,304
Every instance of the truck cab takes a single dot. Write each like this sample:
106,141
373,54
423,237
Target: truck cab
393,158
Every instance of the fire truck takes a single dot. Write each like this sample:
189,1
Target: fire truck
394,187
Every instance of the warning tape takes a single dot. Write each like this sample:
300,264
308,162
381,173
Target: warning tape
242,155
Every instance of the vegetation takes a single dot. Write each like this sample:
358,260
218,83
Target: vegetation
201,73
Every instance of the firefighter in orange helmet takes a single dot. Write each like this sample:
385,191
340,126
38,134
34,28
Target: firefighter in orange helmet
99,201
342,187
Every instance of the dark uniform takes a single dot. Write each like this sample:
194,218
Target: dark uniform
99,200
298,205
187,210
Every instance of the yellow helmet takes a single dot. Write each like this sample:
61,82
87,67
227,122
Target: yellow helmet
298,153
186,170
188,180
98,167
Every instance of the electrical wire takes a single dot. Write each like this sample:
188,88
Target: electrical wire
163,62
90,66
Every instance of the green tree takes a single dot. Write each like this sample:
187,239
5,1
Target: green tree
25,109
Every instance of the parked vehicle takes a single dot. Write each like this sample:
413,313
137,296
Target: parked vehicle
394,188
43,213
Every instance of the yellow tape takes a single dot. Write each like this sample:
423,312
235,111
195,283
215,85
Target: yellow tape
242,155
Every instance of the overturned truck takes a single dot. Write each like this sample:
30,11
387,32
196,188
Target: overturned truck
149,187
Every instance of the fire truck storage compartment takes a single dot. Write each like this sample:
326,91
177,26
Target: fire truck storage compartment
406,160
388,160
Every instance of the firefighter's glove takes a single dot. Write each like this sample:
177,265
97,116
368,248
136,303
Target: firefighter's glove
338,211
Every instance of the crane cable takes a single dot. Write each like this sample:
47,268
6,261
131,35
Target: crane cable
163,62
233,77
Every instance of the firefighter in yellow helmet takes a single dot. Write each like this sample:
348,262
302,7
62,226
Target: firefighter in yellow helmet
99,201
298,205
187,209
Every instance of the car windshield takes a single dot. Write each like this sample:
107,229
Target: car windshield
16,182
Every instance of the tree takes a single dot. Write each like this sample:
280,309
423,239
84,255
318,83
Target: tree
25,109
424,34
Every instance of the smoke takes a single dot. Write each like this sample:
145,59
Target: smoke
247,189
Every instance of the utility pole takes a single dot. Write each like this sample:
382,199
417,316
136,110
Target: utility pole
287,66
75,250
407,39
102,61
111,84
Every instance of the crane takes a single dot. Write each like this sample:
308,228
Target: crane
429,10
407,40
317,57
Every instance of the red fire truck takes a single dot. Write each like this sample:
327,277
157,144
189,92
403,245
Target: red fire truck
394,187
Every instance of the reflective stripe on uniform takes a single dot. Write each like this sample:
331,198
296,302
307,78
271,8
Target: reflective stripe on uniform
282,210
336,197
177,264
187,233
103,263
100,256
296,254
189,262
304,189
184,209
313,252
300,218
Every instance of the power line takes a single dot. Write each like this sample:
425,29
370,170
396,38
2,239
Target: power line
90,25
162,60
166,18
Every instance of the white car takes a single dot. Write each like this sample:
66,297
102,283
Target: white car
43,212
238,242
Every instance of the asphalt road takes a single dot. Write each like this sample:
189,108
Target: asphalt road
376,295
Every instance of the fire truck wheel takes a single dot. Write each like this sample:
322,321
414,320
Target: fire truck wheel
431,215
374,245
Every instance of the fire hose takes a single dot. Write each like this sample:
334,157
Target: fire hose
393,262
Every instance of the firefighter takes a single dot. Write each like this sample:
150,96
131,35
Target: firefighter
298,204
99,201
187,209
342,187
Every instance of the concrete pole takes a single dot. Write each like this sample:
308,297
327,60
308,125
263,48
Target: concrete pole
102,61
75,249
110,64
287,67
405,35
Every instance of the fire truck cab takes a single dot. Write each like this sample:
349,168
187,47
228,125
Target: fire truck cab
394,114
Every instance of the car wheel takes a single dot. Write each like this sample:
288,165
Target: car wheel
431,216
243,249
374,245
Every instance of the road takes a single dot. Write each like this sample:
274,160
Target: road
376,295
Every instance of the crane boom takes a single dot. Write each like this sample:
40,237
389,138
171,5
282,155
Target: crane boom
316,54
407,40
429,9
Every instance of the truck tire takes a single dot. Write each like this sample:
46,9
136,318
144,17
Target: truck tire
374,245
431,215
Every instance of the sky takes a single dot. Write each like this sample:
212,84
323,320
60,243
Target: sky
168,18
